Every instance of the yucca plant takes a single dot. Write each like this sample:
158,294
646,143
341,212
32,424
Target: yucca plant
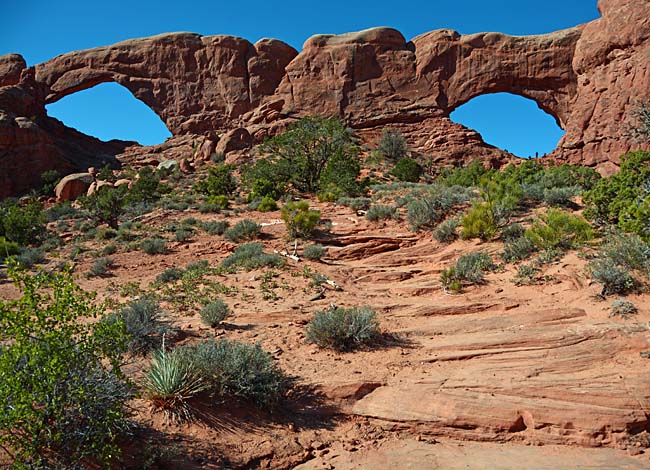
171,381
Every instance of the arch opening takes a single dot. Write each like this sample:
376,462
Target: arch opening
510,122
109,111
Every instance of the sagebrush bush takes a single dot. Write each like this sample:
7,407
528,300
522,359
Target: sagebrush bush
154,246
517,249
28,257
239,370
62,394
471,267
343,329
215,227
381,212
627,250
560,196
214,313
392,145
299,220
623,308
314,252
169,275
183,234
243,230
407,169
144,323
512,232
101,267
170,381
615,279
355,203
445,232
251,256
559,229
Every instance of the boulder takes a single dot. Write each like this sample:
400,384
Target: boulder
236,139
72,186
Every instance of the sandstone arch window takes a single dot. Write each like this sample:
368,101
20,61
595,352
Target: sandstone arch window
510,122
109,111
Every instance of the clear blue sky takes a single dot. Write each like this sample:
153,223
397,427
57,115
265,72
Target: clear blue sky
41,29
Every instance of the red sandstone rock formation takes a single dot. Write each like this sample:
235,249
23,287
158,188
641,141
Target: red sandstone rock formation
587,77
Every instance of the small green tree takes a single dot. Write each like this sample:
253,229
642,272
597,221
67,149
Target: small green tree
22,224
219,182
299,220
106,205
407,169
62,393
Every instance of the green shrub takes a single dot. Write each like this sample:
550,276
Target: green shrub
314,252
341,175
245,229
299,220
169,275
144,324
469,176
628,251
526,274
219,202
512,232
236,369
154,246
251,256
8,248
216,227
262,187
381,212
214,313
343,329
559,229
61,211
517,249
392,145
355,203
615,279
183,234
62,394
146,188
106,205
101,267
624,198
445,232
28,257
450,281
302,154
267,204
479,222
22,224
219,182
170,381
623,308
471,267
407,169
560,196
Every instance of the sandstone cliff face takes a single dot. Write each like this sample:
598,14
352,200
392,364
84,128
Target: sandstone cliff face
587,77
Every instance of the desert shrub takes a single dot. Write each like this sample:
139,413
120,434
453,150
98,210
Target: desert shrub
22,224
154,246
8,248
450,281
267,204
559,229
49,179
517,249
299,220
421,213
381,212
201,266
469,176
62,394
445,232
219,182
262,187
628,251
169,275
623,308
639,128
343,329
355,203
526,274
29,257
144,323
214,313
245,229
209,207
512,232
392,145
314,252
302,154
251,256
615,279
101,267
61,211
109,249
170,381
479,222
106,205
105,233
471,267
624,198
183,234
407,169
217,227
560,196
239,370
146,188
341,174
